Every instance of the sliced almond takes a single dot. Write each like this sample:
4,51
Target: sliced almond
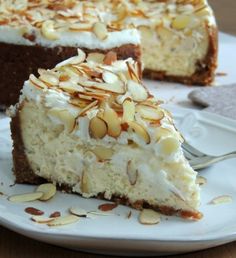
48,30
103,153
61,221
150,113
140,131
73,60
162,132
84,186
70,87
132,173
201,180
181,22
27,197
109,77
113,122
110,57
80,26
64,116
101,213
48,190
41,219
221,199
100,30
137,91
36,82
107,206
87,108
149,217
49,79
78,212
128,110
95,57
97,128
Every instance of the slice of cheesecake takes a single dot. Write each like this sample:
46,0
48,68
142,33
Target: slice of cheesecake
92,128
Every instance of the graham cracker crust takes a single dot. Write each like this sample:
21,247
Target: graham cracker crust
18,62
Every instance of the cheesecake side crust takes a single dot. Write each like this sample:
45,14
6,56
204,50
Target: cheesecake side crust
25,175
205,68
18,62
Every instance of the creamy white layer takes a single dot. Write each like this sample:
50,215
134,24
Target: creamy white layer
84,39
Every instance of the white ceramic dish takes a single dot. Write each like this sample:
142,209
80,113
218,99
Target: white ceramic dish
119,235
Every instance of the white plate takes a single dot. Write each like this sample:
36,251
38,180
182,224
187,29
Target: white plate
119,235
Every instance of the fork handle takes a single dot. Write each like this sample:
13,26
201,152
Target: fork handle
202,162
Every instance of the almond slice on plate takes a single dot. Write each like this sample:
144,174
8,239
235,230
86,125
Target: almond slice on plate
61,221
27,197
221,199
128,110
49,190
137,91
140,131
78,212
149,217
201,180
41,219
97,128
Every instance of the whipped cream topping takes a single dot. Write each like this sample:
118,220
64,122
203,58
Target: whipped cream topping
71,23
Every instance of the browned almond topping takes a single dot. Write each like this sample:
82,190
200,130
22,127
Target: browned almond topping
55,214
97,128
33,211
129,214
107,206
110,57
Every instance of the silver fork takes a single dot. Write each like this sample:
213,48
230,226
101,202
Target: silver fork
199,160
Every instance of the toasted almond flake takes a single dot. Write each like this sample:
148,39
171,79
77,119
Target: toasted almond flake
103,153
201,180
149,217
140,131
61,221
128,110
110,57
48,30
65,117
132,172
55,214
78,212
129,214
109,77
49,190
100,30
97,128
88,107
41,219
150,113
49,79
27,197
95,57
84,186
73,60
221,199
80,26
113,122
107,206
70,87
137,91
101,213
36,82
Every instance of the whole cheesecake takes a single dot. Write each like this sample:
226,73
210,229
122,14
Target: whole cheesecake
91,127
178,37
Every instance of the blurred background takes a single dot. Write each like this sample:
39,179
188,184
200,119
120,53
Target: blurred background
225,11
